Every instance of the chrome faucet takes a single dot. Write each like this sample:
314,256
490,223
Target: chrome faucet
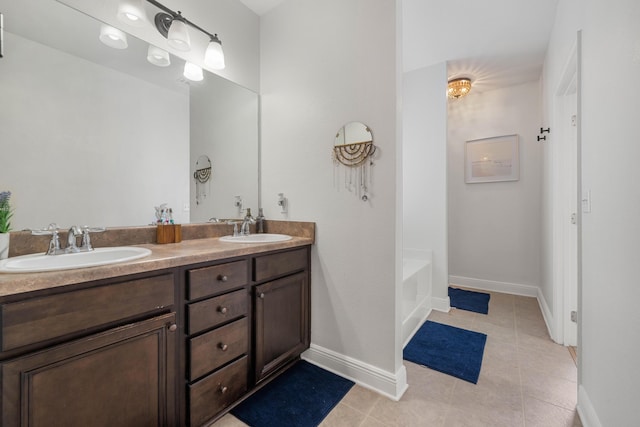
72,247
72,235
246,222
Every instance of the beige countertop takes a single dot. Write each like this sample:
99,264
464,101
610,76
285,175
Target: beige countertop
162,256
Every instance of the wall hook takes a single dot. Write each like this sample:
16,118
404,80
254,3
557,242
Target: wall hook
542,138
547,130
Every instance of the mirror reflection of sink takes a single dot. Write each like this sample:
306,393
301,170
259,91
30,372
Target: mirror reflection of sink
100,256
256,238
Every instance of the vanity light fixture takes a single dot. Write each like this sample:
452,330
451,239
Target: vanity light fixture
457,88
132,12
158,57
175,28
193,72
113,37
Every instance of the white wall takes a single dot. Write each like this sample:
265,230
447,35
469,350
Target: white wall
494,228
67,125
325,64
610,338
424,110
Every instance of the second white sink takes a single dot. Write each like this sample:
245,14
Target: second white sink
100,256
256,238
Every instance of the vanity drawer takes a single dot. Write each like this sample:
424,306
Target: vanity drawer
44,318
214,311
211,350
273,265
214,393
216,279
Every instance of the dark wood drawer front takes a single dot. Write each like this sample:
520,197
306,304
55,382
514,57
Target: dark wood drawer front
214,311
214,393
216,279
40,319
211,350
269,266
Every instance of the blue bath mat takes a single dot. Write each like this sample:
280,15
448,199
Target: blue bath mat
301,397
447,349
469,300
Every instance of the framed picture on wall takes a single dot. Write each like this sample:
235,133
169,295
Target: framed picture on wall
492,159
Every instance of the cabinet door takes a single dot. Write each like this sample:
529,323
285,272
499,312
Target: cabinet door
281,322
121,377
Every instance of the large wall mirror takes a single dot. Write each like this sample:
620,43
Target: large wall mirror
99,136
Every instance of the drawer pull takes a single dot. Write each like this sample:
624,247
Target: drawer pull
261,295
223,278
223,389
173,327
222,310
223,347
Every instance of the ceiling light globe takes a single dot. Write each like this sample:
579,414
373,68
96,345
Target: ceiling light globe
214,56
131,12
158,56
457,88
113,37
193,72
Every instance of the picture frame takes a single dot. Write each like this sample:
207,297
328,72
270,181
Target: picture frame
493,159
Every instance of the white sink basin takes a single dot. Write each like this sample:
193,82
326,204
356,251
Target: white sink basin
100,256
256,238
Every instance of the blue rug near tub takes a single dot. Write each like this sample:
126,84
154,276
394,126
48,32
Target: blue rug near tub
469,300
301,397
447,349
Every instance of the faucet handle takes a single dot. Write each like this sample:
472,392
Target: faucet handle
50,230
85,245
235,227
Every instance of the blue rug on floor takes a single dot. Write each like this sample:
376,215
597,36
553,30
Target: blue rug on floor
301,397
469,300
447,349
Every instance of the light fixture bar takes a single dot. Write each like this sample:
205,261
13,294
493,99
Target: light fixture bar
182,18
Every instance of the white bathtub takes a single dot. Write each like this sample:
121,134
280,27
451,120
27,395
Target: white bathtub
416,291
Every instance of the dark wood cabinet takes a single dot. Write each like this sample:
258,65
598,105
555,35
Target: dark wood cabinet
121,377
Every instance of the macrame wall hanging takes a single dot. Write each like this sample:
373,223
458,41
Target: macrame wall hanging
353,153
202,175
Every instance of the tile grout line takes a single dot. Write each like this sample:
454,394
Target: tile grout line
515,322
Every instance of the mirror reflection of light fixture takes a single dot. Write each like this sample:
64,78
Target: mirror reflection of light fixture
193,72
132,12
213,56
457,88
158,57
113,37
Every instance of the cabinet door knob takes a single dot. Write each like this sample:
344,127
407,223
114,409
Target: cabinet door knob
222,310
261,295
223,278
223,347
223,389
173,327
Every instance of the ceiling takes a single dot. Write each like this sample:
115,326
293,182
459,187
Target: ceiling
496,43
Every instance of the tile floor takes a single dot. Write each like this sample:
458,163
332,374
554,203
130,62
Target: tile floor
526,380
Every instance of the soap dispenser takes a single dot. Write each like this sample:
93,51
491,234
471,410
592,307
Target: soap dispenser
260,221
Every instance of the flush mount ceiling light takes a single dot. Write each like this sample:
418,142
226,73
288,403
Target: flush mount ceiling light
132,12
175,28
457,88
158,57
113,37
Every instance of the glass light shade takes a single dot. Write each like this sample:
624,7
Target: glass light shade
213,56
178,36
457,88
113,37
132,12
158,57
193,72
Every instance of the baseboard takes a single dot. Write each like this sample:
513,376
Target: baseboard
388,384
548,317
441,304
587,413
491,285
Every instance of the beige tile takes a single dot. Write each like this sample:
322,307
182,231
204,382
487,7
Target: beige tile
542,414
343,416
558,365
361,399
557,391
372,422
480,416
414,409
229,421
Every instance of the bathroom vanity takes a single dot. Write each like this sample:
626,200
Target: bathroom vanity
177,338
